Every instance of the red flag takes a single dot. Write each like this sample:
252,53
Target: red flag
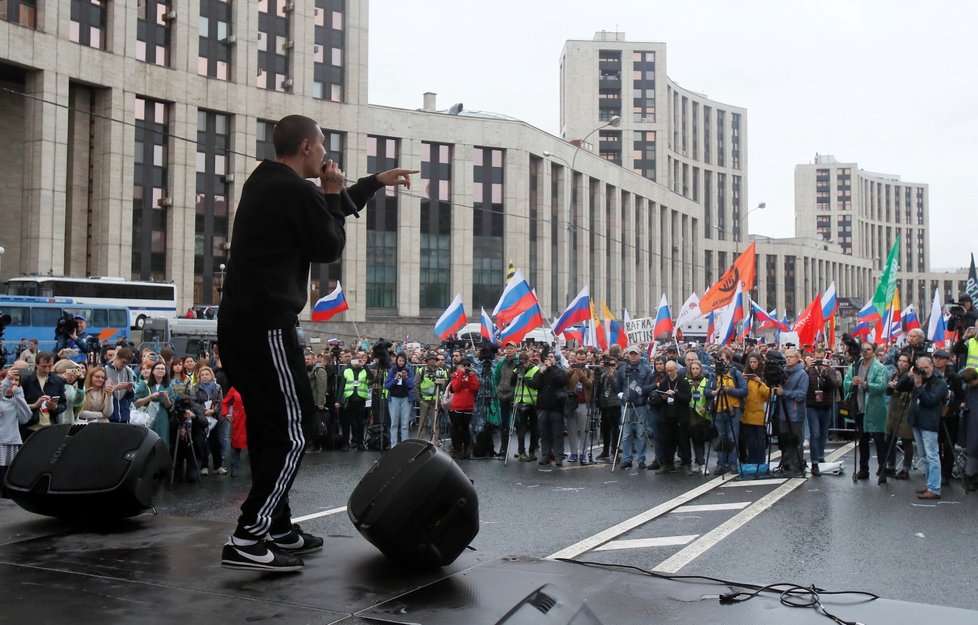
809,322
723,291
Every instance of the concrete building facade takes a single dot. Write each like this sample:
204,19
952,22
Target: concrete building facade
130,128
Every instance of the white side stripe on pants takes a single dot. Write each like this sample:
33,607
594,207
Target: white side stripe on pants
294,419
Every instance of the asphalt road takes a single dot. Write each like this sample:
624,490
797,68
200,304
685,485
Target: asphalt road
826,531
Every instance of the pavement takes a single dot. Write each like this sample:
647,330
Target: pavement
826,530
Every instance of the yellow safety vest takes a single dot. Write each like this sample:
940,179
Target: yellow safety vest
351,384
528,395
972,353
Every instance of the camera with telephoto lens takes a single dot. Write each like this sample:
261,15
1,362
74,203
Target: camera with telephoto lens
853,348
775,369
955,321
381,351
66,327
720,367
487,350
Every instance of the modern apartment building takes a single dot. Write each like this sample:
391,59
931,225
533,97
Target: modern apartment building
863,213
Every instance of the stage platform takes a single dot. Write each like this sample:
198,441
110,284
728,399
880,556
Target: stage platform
155,569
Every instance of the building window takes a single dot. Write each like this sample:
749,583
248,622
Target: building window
487,254
330,42
536,191
735,139
707,134
772,281
643,86
264,148
23,12
609,145
89,21
211,228
789,285
153,31
708,204
556,198
722,206
735,207
274,45
382,154
643,154
214,41
721,159
325,275
436,224
149,192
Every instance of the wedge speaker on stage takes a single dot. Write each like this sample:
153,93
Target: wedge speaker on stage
416,505
98,471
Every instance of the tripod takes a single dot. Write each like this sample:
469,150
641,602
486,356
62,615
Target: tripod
721,405
518,391
434,413
186,429
594,423
378,408
621,428
893,438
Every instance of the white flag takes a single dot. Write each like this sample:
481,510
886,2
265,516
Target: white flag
690,311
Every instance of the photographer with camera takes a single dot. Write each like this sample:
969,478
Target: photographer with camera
823,381
966,348
791,394
928,395
897,425
504,377
433,381
949,413
607,391
866,381
728,392
188,434
633,378
580,383
916,346
550,384
464,385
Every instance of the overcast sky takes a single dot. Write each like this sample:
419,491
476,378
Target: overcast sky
891,85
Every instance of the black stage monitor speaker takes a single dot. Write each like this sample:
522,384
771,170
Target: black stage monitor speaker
88,472
416,505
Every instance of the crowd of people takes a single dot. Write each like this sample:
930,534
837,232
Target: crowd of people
669,414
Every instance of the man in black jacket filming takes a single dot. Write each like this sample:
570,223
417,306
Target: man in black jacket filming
551,386
282,225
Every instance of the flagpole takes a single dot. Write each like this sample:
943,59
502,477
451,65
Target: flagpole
359,338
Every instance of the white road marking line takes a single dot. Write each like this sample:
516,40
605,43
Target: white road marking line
629,524
711,538
712,507
640,543
773,481
838,453
316,515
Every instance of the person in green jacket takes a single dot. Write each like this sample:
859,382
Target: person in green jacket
865,382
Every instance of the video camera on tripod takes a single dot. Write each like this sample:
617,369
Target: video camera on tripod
381,352
775,369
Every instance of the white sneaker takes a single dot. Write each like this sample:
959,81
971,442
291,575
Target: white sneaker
221,471
204,471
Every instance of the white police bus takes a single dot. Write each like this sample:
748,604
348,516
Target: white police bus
142,299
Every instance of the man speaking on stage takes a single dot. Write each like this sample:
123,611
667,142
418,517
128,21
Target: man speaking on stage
283,223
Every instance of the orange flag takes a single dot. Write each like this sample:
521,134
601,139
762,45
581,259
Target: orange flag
723,290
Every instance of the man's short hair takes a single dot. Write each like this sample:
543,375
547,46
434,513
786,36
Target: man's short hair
289,133
124,353
44,356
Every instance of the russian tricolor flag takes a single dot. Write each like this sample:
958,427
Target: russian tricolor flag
579,310
452,320
830,303
768,320
574,334
516,298
522,325
331,305
733,314
486,329
910,320
663,318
